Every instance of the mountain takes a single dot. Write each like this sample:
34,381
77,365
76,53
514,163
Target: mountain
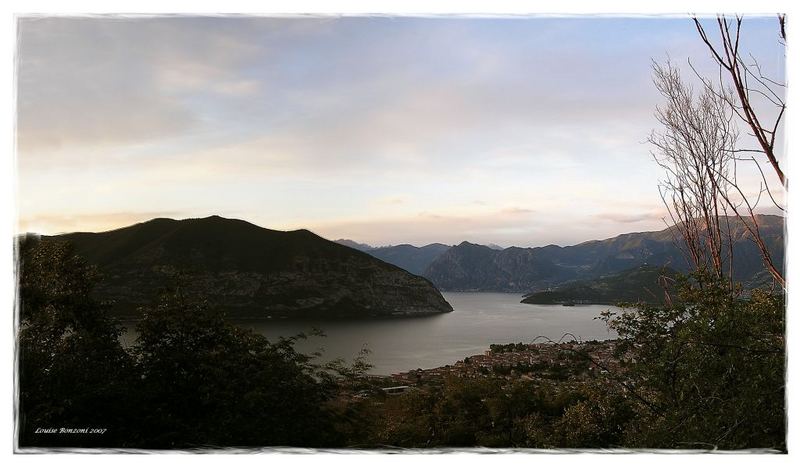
250,271
409,257
640,284
354,245
473,267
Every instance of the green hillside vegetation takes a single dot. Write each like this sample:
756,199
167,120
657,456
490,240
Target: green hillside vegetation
642,284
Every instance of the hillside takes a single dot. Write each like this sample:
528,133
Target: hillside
412,258
473,267
640,284
354,245
250,271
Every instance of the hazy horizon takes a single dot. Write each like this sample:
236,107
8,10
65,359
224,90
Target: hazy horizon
419,245
521,131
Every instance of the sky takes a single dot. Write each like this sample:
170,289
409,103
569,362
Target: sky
520,131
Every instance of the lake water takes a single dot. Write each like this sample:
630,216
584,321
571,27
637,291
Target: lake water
478,319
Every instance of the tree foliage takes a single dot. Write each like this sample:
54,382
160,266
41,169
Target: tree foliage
207,382
709,369
191,379
73,372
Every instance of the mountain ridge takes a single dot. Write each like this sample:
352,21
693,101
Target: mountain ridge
250,271
463,267
414,259
525,270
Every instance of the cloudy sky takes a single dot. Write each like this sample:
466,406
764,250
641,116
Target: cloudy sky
515,131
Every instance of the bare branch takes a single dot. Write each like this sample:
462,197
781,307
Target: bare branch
697,149
728,58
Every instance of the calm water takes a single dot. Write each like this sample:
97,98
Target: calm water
479,319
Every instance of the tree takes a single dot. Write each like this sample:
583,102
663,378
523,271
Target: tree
697,147
750,85
206,382
746,93
73,372
707,370
709,367
192,378
694,148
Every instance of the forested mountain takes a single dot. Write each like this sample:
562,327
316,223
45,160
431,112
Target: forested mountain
249,270
640,284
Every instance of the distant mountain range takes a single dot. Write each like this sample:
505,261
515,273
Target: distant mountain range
472,267
409,257
354,245
249,271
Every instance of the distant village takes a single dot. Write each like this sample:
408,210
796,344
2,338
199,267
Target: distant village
563,361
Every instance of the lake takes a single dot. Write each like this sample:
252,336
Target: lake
478,319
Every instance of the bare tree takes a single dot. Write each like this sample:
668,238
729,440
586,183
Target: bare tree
697,148
694,148
751,89
749,84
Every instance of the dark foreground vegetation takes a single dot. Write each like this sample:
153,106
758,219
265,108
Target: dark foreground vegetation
708,373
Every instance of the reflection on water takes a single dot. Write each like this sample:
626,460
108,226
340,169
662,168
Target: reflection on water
479,319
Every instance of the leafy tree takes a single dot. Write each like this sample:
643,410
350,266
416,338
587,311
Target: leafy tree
73,372
208,382
708,371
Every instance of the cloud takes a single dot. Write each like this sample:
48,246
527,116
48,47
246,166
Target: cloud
631,218
378,87
109,81
518,210
341,123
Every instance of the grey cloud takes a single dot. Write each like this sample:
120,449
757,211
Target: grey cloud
105,80
112,81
